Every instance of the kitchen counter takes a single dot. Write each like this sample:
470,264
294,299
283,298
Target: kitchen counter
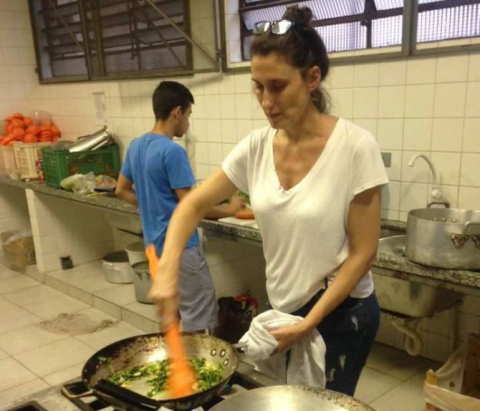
103,201
386,264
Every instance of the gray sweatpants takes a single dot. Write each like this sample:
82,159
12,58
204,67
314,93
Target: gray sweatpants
198,304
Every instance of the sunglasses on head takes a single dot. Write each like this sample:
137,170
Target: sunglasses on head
276,27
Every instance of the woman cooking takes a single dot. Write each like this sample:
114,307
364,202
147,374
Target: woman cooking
315,187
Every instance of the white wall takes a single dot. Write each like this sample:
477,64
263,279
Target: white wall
63,228
415,105
13,209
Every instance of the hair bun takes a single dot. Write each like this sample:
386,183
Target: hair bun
300,15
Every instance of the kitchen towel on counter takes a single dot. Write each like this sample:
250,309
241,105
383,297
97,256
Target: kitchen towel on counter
306,365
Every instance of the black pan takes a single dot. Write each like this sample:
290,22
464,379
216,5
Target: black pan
140,350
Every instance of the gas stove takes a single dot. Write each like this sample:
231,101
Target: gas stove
51,399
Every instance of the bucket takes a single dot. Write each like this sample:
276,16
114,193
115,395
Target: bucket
142,282
116,268
136,253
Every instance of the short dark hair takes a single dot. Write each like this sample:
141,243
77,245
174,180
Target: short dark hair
302,47
167,96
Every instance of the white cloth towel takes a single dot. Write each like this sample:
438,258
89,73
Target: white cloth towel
306,365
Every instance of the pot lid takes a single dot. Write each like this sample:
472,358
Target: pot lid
291,398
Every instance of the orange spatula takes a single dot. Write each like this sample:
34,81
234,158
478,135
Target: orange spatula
182,377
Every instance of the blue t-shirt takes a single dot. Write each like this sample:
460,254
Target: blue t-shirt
157,166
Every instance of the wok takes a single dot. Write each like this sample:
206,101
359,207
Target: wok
140,350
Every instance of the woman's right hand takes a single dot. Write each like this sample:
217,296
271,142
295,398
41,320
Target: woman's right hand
164,292
236,204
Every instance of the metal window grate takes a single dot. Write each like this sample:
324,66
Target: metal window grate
59,38
438,20
387,32
388,4
136,38
345,25
109,38
344,37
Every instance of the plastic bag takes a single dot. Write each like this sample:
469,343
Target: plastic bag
81,184
18,249
105,183
10,237
446,400
62,145
445,393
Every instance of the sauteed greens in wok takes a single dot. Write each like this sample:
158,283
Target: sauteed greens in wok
156,375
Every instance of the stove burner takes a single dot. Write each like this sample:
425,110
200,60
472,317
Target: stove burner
85,404
93,403
29,406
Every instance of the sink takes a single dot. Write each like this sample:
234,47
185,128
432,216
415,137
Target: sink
405,297
392,245
390,232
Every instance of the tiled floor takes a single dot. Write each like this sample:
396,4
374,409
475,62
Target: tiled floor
32,359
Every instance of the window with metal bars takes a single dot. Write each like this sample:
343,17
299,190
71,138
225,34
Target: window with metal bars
345,25
351,25
440,20
103,39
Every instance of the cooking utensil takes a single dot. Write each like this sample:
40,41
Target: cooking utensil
140,350
142,282
291,398
444,238
116,268
182,377
93,141
136,252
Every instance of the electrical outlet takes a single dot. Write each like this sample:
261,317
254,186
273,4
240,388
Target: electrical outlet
387,159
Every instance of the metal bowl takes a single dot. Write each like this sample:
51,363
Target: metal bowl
116,268
291,398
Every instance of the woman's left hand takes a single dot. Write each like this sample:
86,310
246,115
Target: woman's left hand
288,336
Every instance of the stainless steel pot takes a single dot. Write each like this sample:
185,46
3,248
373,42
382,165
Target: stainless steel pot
116,268
142,282
94,141
444,238
291,398
140,350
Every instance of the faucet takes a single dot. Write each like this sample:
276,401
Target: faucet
436,193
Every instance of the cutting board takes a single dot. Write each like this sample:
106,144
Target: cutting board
239,221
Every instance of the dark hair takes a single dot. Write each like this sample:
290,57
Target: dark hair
301,46
167,96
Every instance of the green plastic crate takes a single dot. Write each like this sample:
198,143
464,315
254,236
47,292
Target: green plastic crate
59,164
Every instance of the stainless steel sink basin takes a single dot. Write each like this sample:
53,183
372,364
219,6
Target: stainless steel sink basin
392,245
405,297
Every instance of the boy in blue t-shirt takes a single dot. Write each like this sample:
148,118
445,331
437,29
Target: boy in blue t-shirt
162,175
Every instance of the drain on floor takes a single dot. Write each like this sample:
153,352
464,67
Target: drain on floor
75,324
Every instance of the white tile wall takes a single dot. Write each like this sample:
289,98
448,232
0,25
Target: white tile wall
421,104
390,133
13,209
450,100
62,228
419,101
447,134
393,73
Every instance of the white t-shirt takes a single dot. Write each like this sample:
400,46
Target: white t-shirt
304,229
